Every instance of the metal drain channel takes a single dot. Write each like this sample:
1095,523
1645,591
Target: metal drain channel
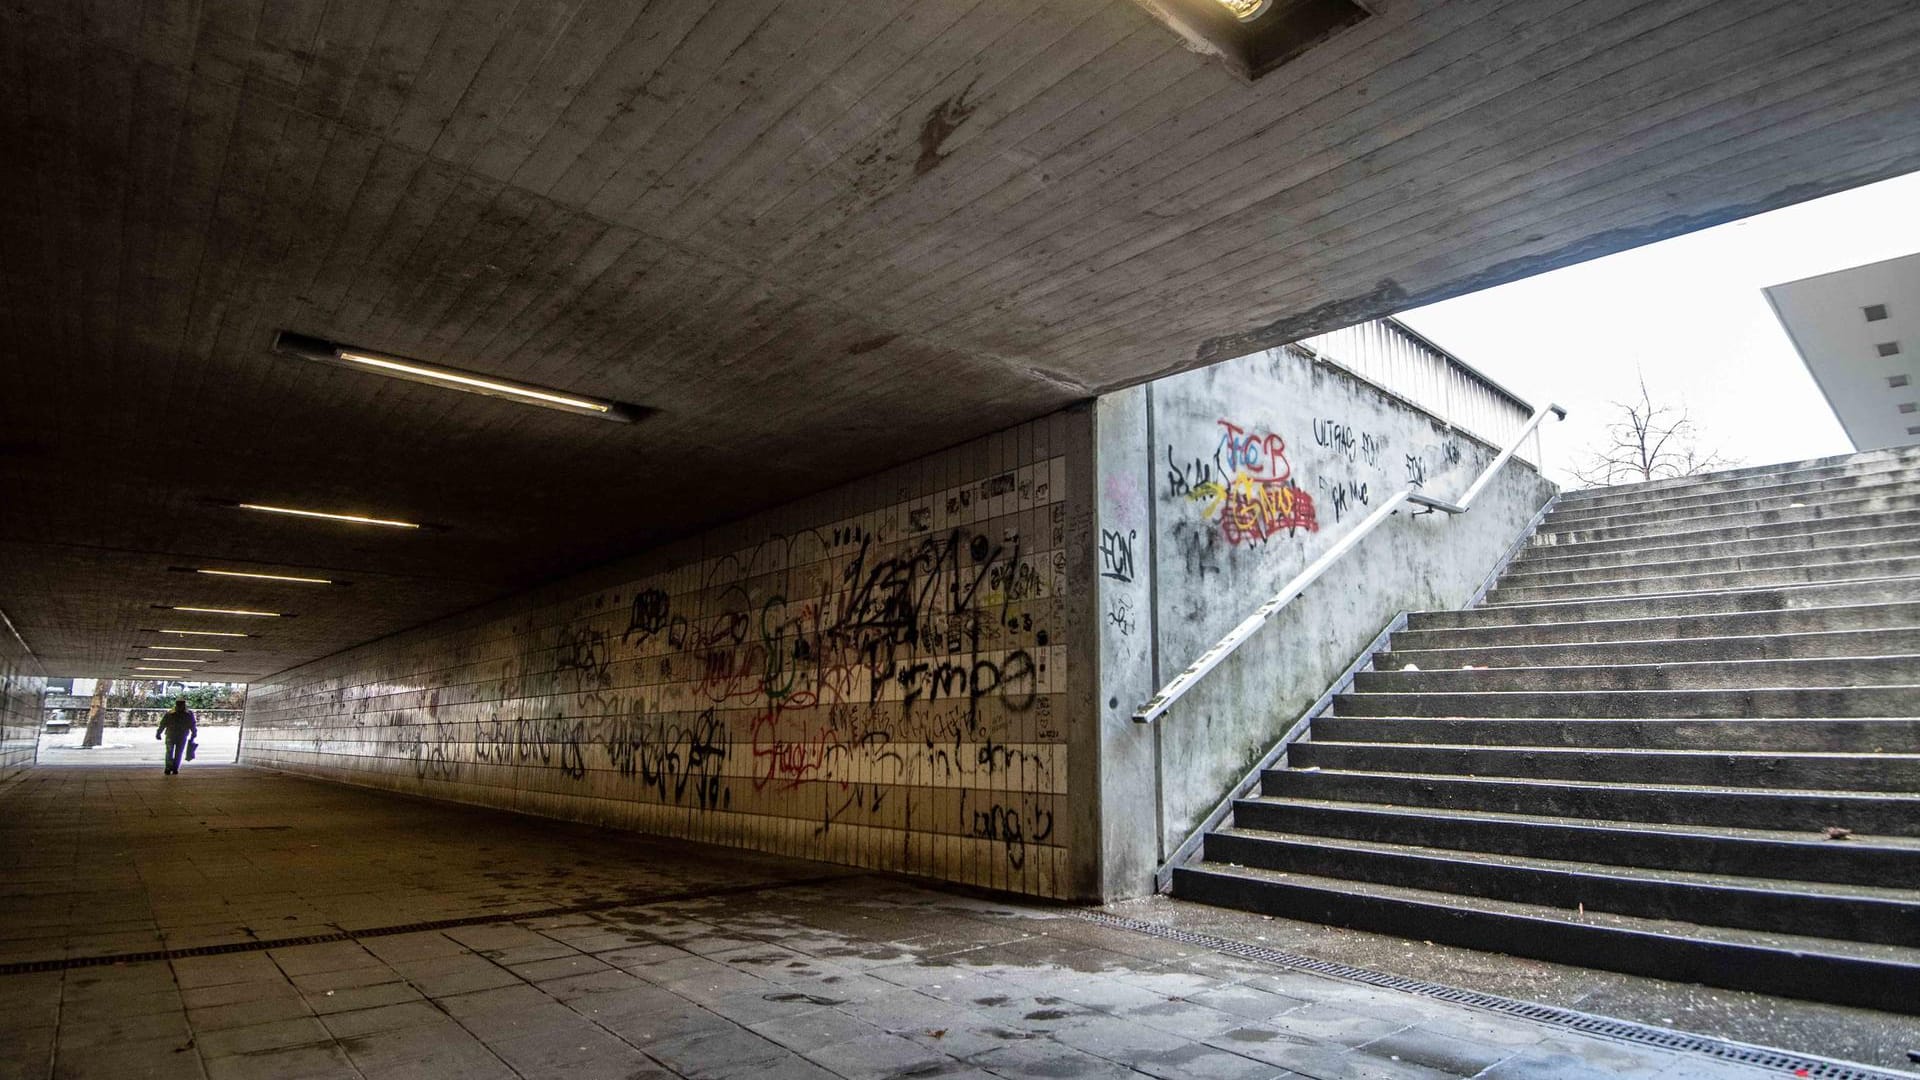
1790,1064
25,967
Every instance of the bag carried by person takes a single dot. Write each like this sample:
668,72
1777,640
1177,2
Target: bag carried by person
193,747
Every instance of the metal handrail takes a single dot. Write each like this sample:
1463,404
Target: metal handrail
1157,706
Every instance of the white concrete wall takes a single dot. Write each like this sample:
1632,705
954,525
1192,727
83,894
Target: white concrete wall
1215,488
878,675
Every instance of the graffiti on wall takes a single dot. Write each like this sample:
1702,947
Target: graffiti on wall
1246,488
866,672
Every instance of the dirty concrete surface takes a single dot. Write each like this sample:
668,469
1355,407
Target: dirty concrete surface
563,950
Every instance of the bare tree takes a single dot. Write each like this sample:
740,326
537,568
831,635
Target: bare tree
1649,442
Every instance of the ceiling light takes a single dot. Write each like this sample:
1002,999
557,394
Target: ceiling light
1247,10
356,519
470,382
266,577
203,633
400,367
186,670
227,611
179,648
173,659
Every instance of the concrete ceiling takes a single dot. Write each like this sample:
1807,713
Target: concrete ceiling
819,236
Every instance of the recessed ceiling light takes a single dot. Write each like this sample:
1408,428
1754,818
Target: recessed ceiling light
187,670
357,519
173,659
179,648
203,633
401,367
1247,10
265,577
226,611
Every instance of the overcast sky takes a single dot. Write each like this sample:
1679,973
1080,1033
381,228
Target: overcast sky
1687,313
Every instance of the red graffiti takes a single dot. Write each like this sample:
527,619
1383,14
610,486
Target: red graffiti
1258,510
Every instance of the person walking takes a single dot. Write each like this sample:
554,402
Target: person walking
178,727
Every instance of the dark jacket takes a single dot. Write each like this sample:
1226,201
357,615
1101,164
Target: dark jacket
177,725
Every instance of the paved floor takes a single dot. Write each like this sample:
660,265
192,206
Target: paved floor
570,952
135,746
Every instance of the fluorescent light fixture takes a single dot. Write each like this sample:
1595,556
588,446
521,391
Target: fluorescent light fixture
203,633
184,670
227,611
265,577
400,367
180,648
356,519
173,660
449,377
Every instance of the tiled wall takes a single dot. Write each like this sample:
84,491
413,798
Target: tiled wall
874,676
21,682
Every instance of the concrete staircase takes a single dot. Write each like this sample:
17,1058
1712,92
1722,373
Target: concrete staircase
1631,755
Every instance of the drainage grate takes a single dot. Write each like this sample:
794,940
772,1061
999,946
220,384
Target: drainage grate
27,967
1791,1064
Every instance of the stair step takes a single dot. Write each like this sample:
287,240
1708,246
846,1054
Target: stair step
1710,560
1673,706
1650,583
1439,630
1858,735
1701,531
1826,671
1808,487
1641,527
1761,475
1878,861
1864,499
1824,594
1870,976
1631,704
1889,642
1854,913
1884,813
1837,544
1773,769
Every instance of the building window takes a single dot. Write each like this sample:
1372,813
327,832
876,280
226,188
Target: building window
1889,348
1874,312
